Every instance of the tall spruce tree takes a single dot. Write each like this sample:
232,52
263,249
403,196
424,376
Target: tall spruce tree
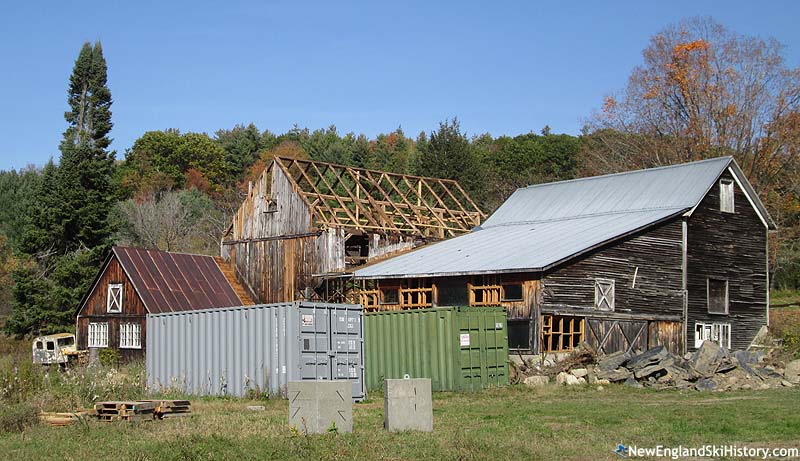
71,230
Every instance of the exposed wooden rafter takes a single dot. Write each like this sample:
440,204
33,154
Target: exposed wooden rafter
355,198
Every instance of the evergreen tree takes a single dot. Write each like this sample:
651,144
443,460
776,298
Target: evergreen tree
447,153
70,230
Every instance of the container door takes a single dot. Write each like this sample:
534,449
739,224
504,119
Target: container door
346,348
314,344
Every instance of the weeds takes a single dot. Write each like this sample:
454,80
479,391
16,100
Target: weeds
17,417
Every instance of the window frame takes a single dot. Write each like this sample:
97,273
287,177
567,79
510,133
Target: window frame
99,337
727,296
130,335
600,294
112,300
727,192
504,298
712,331
529,325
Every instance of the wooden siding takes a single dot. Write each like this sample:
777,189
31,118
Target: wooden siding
95,310
658,290
272,208
727,246
609,336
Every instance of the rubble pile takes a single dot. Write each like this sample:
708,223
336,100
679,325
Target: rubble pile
709,368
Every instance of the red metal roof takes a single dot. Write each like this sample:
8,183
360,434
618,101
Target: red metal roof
173,282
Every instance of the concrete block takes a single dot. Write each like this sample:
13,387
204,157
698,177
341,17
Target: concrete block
316,406
407,405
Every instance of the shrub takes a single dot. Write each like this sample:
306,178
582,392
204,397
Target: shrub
785,325
17,417
109,357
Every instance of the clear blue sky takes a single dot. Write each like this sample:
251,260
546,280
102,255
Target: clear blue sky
367,67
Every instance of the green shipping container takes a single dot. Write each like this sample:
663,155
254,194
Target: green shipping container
458,348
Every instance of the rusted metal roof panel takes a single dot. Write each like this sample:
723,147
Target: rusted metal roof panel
174,282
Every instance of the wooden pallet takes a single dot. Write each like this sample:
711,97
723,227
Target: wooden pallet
165,409
125,411
63,419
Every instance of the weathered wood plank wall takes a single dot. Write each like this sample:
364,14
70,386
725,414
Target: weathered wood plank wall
728,246
95,310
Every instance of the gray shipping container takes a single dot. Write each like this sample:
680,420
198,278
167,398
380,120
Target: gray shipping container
229,351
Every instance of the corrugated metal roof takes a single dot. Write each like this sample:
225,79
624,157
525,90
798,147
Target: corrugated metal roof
679,186
172,282
513,247
540,226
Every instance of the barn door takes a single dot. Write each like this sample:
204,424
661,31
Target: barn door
609,336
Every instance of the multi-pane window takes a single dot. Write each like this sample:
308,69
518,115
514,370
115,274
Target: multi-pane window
130,336
604,294
717,296
114,298
561,333
726,196
98,335
719,333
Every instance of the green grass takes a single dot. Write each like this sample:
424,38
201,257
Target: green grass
511,423
784,297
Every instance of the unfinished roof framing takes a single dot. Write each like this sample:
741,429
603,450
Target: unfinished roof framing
369,200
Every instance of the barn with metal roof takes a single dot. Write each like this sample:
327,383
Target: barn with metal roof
674,255
134,282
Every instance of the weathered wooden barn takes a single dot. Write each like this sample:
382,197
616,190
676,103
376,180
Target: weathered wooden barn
674,255
304,221
134,282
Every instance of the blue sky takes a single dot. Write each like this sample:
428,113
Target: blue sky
367,67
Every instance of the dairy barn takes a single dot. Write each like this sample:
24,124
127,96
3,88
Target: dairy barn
674,255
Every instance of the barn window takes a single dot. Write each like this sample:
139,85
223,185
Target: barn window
719,333
98,335
130,336
726,196
519,334
512,292
390,295
604,294
717,296
485,291
114,299
561,333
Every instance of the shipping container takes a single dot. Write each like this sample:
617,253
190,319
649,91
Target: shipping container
233,351
458,348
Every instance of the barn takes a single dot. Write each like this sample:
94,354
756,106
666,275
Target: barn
134,282
304,222
674,255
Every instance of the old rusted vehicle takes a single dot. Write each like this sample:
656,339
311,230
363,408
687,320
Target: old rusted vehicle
58,349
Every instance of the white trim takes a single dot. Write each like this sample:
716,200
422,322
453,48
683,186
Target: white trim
97,334
719,333
741,186
749,199
130,336
727,195
114,295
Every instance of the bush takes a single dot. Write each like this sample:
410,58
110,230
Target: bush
109,357
785,325
17,417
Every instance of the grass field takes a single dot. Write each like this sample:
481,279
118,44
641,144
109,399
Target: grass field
512,423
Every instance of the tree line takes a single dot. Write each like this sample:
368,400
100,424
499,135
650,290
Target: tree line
702,91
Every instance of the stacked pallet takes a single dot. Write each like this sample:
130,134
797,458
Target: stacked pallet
167,409
125,411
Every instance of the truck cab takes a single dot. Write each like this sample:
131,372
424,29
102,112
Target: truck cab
57,349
